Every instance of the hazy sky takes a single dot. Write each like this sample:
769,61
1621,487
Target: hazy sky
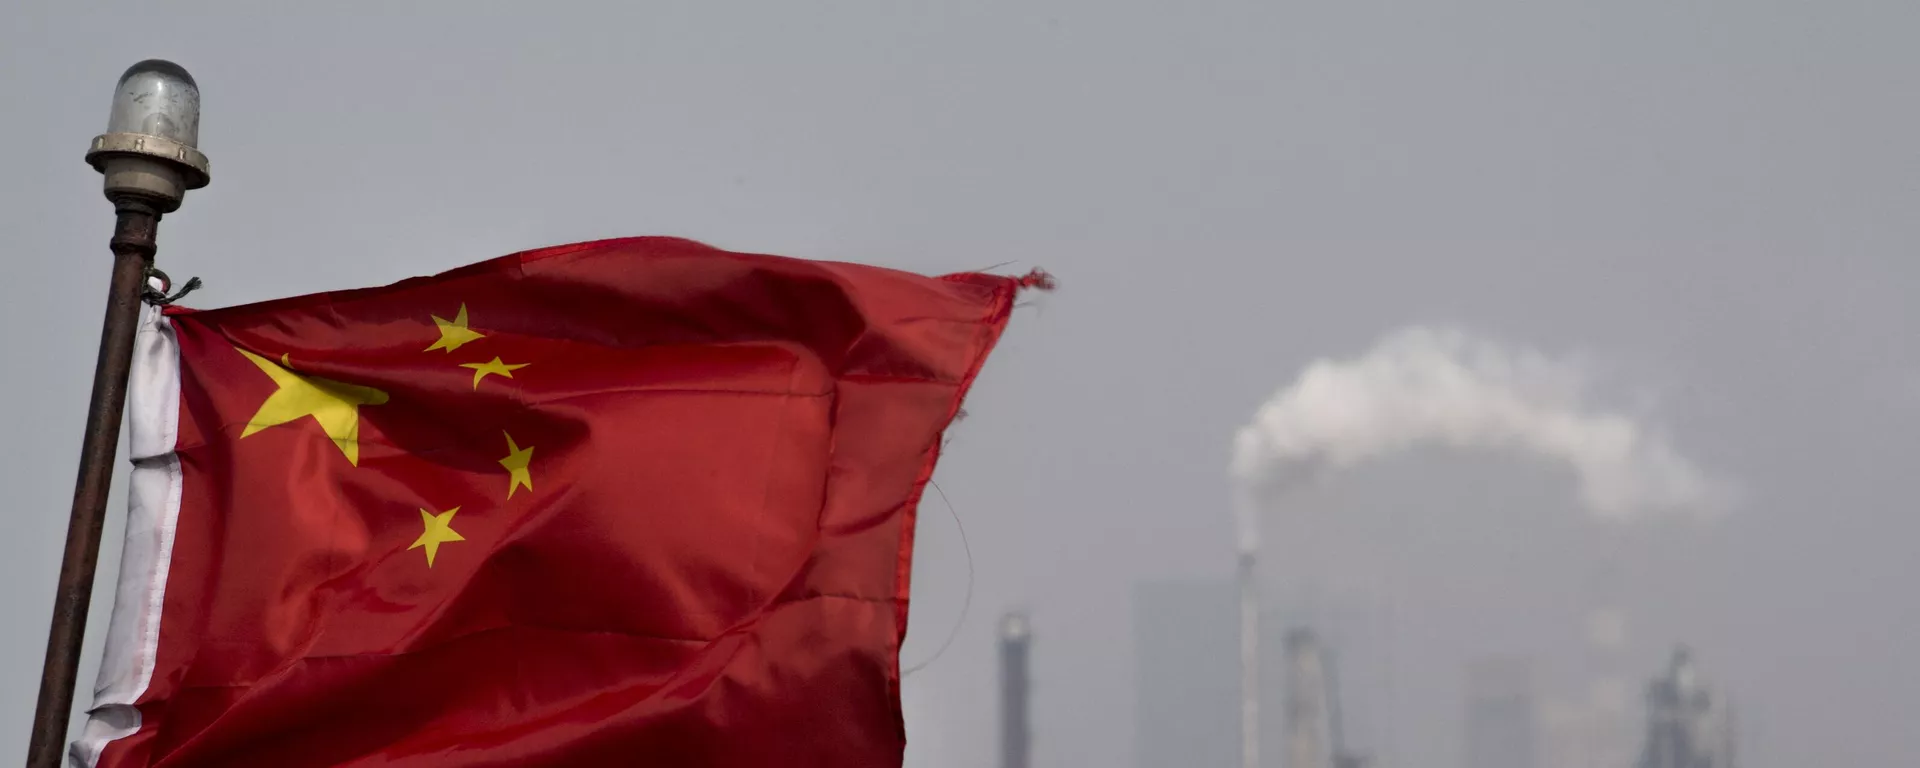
1712,199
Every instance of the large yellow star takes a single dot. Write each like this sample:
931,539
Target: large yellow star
439,530
454,333
481,370
334,404
516,463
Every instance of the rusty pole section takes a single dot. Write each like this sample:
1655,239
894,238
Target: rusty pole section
150,159
133,249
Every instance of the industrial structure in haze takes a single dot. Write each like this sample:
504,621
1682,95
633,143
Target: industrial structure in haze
1016,734
1246,575
1198,667
1688,724
1309,731
1594,727
1315,732
1194,654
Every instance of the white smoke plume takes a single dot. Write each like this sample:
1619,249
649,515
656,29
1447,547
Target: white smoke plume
1441,387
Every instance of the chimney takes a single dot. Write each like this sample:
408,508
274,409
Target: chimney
1016,639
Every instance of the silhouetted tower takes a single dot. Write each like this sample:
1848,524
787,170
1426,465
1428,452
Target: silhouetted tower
1687,726
1246,579
1016,640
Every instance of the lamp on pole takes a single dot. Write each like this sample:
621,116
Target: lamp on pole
150,159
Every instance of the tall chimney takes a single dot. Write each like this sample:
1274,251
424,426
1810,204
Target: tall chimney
1016,639
1249,662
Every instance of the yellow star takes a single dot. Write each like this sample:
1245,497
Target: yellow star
480,370
334,404
516,463
454,333
439,530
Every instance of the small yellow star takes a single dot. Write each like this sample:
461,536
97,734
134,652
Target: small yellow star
439,530
516,463
334,404
454,333
481,370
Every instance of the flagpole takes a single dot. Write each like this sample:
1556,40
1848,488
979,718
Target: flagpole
149,157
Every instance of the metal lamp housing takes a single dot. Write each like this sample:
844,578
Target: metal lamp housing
150,151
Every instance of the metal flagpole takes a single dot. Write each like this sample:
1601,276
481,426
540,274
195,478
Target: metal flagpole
150,159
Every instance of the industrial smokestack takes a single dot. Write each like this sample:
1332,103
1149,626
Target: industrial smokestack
1438,387
1249,661
1246,540
1016,640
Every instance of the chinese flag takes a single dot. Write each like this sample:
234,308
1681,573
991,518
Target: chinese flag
626,503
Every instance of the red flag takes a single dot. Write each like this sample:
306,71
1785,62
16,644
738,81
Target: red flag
633,502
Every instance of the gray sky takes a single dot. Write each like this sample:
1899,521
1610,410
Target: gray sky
1713,198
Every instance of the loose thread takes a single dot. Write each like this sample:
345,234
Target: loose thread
1038,279
966,603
